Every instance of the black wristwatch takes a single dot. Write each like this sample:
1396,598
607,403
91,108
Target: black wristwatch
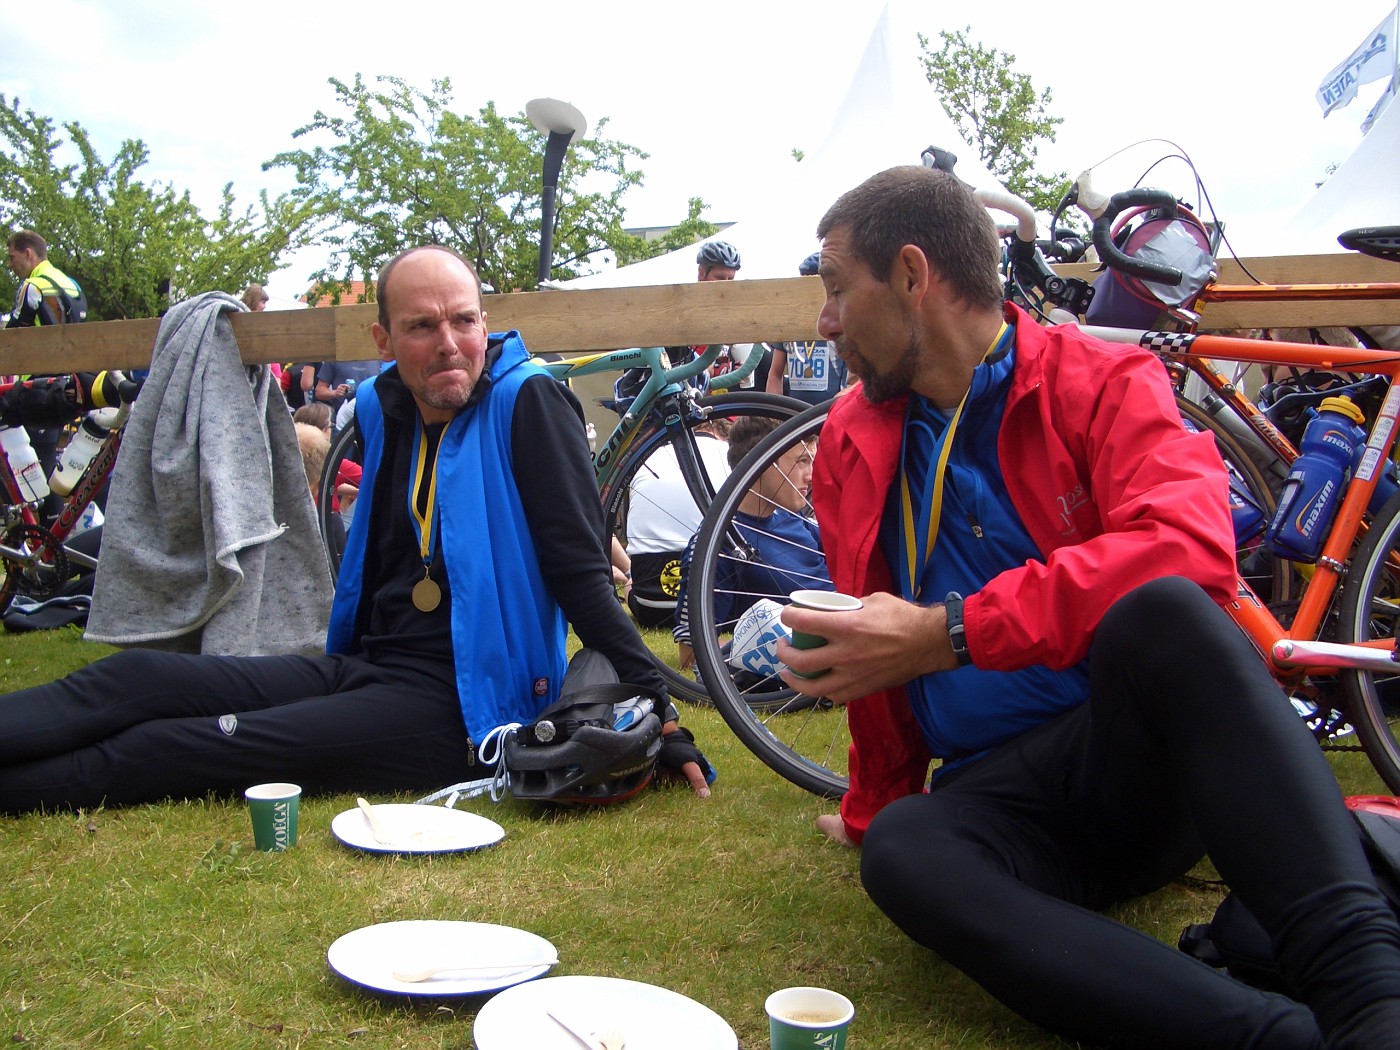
957,634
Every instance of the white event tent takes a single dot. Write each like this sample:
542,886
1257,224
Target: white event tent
890,114
1364,191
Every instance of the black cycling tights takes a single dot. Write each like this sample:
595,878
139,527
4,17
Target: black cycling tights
1185,745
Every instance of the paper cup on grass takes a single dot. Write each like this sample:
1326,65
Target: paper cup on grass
273,808
824,601
808,1019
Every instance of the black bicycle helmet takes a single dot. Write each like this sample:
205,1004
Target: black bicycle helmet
718,253
572,754
810,265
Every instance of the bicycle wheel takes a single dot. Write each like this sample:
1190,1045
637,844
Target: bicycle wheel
1370,610
752,547
328,517
656,451
1252,506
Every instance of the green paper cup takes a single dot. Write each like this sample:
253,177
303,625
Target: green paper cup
808,1019
273,808
826,601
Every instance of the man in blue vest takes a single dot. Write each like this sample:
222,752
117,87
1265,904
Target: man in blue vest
479,540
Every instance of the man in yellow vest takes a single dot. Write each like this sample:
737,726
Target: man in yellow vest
46,294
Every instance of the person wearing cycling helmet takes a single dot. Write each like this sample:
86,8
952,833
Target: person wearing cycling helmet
478,541
810,370
719,261
1042,550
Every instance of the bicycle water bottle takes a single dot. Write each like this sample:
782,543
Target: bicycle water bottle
80,451
1315,486
29,475
631,711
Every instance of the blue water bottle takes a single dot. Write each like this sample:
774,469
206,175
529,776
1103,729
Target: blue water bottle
1317,482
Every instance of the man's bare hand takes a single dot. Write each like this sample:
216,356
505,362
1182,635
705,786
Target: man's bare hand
885,644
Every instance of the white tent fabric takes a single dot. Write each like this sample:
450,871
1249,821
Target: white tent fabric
1364,191
890,114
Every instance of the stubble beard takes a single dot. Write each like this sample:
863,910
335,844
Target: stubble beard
451,398
880,387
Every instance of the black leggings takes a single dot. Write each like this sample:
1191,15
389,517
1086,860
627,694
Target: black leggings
142,725
1186,746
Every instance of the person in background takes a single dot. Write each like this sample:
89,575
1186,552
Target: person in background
348,472
810,371
300,386
1043,550
662,517
255,297
771,520
314,444
336,381
46,295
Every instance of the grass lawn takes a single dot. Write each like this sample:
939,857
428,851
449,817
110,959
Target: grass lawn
160,926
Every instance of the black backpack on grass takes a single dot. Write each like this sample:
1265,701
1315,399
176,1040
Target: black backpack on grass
1235,942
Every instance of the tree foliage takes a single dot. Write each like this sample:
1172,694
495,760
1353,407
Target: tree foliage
134,247
396,166
630,248
997,110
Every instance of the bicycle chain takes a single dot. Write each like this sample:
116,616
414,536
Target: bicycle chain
44,579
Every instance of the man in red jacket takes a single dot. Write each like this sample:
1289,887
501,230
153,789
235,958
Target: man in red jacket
1042,549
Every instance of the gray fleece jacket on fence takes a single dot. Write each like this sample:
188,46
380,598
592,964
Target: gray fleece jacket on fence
210,543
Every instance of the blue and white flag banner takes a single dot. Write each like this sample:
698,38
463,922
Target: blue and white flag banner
1386,96
1373,59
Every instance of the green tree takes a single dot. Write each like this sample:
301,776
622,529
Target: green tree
134,247
398,167
997,110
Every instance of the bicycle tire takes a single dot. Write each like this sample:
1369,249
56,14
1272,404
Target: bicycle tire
801,738
328,519
1271,577
655,436
1370,609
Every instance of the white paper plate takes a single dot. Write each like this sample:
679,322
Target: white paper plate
649,1017
370,955
417,829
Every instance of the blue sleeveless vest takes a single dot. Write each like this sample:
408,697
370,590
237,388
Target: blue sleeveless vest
508,634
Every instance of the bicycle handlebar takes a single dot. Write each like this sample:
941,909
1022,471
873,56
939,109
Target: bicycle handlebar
995,197
1117,260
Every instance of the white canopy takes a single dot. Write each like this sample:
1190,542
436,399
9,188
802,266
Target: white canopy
890,114
1364,191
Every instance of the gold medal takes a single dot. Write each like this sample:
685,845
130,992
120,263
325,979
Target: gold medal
427,595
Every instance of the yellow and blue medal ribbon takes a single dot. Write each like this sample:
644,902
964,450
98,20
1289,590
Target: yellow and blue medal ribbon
919,521
427,595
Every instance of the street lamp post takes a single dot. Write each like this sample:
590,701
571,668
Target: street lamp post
561,122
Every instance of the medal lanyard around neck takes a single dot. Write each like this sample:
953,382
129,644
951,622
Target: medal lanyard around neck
424,521
924,521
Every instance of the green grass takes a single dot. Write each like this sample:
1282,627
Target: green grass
160,926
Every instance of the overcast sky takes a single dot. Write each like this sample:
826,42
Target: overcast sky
718,93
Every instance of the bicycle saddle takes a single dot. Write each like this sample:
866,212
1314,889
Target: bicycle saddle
1381,241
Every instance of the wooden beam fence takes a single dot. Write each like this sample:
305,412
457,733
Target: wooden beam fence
659,315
